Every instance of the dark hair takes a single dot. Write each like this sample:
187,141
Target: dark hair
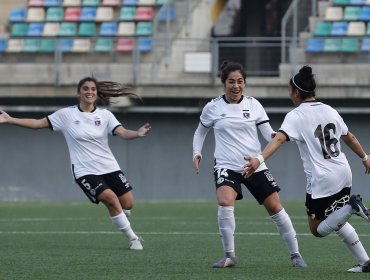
108,89
304,82
227,67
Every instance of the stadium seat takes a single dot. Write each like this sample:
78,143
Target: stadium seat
368,29
51,29
323,28
127,13
72,14
365,46
55,14
108,29
351,13
144,14
125,45
129,2
332,45
365,13
315,45
367,2
88,14
19,30
87,29
3,45
35,29
357,2
103,45
169,14
126,29
144,29
47,45
104,14
35,3
65,45
52,3
35,15
71,3
15,45
339,28
356,28
112,3
350,45
91,3
146,2
334,13
68,29
145,44
81,45
17,15
341,2
31,45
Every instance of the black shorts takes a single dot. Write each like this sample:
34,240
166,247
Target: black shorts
94,185
260,184
322,207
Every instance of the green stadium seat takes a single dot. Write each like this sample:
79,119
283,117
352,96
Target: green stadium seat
144,29
351,13
350,45
341,2
68,29
91,3
368,29
127,13
322,28
19,30
332,44
48,45
161,2
31,45
87,29
55,14
104,45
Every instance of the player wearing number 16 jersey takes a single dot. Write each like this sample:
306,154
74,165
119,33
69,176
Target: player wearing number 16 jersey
317,129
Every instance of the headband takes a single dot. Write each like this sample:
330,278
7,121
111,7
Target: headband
300,87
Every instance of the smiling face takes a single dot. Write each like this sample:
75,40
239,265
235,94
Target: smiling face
234,86
87,94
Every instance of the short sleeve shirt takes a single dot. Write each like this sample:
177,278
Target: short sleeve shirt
86,134
317,129
235,130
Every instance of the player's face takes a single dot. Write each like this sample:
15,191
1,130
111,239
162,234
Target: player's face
234,87
88,93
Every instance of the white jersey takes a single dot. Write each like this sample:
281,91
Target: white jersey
86,134
235,130
317,128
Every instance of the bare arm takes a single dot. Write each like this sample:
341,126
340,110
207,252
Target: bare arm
27,123
352,142
253,162
128,134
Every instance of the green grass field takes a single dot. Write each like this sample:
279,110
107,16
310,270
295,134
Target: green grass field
40,240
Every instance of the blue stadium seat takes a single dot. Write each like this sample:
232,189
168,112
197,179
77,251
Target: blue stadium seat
3,45
357,2
315,45
108,29
129,2
339,28
167,13
365,46
17,15
52,3
65,45
145,44
88,14
365,13
35,29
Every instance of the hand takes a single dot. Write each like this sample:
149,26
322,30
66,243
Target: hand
197,159
365,163
4,117
144,130
251,166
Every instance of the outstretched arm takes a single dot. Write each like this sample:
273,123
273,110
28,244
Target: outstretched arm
27,123
254,162
352,142
128,134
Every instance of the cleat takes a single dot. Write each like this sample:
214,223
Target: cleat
127,212
135,244
297,260
361,268
360,210
225,262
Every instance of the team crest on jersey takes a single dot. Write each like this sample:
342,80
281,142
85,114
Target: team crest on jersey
97,122
246,114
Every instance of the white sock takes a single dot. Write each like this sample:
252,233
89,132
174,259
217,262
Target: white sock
226,225
123,224
349,236
335,220
286,230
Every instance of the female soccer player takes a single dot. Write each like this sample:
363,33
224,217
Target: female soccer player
317,129
235,118
86,127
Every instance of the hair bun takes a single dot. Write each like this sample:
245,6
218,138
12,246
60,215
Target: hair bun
306,70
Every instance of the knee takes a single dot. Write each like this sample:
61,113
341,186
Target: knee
223,201
315,233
